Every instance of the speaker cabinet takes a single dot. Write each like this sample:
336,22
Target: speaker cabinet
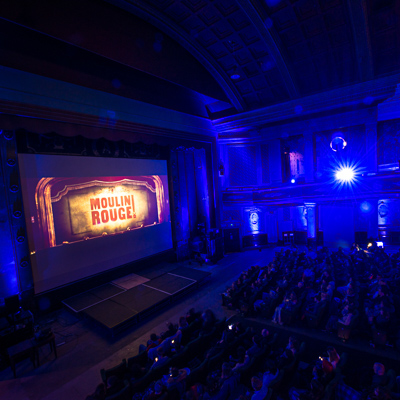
232,240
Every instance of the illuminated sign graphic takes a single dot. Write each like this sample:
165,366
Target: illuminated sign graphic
112,209
74,209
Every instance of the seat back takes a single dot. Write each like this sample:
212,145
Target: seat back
140,359
119,371
180,359
123,394
215,361
220,326
198,375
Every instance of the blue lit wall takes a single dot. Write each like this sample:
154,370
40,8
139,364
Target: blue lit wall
8,273
15,275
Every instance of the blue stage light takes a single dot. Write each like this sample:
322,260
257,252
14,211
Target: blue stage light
345,175
365,207
293,180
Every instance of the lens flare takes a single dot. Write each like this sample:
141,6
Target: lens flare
345,175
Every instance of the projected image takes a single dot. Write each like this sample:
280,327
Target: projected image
73,209
87,215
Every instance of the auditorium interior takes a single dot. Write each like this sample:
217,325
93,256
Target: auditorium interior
236,157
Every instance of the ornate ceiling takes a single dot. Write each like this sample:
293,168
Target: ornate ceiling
281,49
210,58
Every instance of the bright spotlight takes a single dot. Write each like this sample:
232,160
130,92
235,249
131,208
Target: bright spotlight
345,175
293,181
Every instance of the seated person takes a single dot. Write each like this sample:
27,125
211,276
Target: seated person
265,337
256,347
271,372
192,315
379,378
177,380
289,303
241,360
259,391
160,359
285,359
153,342
183,325
228,383
267,298
171,331
315,392
333,357
345,318
208,321
158,391
293,345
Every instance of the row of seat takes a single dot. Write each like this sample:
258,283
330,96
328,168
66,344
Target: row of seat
190,351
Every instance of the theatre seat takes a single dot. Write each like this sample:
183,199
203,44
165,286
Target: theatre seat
123,394
119,371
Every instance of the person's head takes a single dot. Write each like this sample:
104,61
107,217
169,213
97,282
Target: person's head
379,369
182,322
256,383
265,333
153,337
170,326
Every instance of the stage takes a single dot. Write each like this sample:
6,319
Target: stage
122,303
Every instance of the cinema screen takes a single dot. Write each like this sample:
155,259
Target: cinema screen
86,215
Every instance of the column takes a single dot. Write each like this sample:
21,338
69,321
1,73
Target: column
371,141
275,161
311,222
309,156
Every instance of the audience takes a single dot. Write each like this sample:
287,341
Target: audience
301,283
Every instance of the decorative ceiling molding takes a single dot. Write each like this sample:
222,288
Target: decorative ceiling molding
358,16
390,108
29,95
362,95
164,23
373,187
255,17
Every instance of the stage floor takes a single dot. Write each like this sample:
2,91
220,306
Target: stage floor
116,308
